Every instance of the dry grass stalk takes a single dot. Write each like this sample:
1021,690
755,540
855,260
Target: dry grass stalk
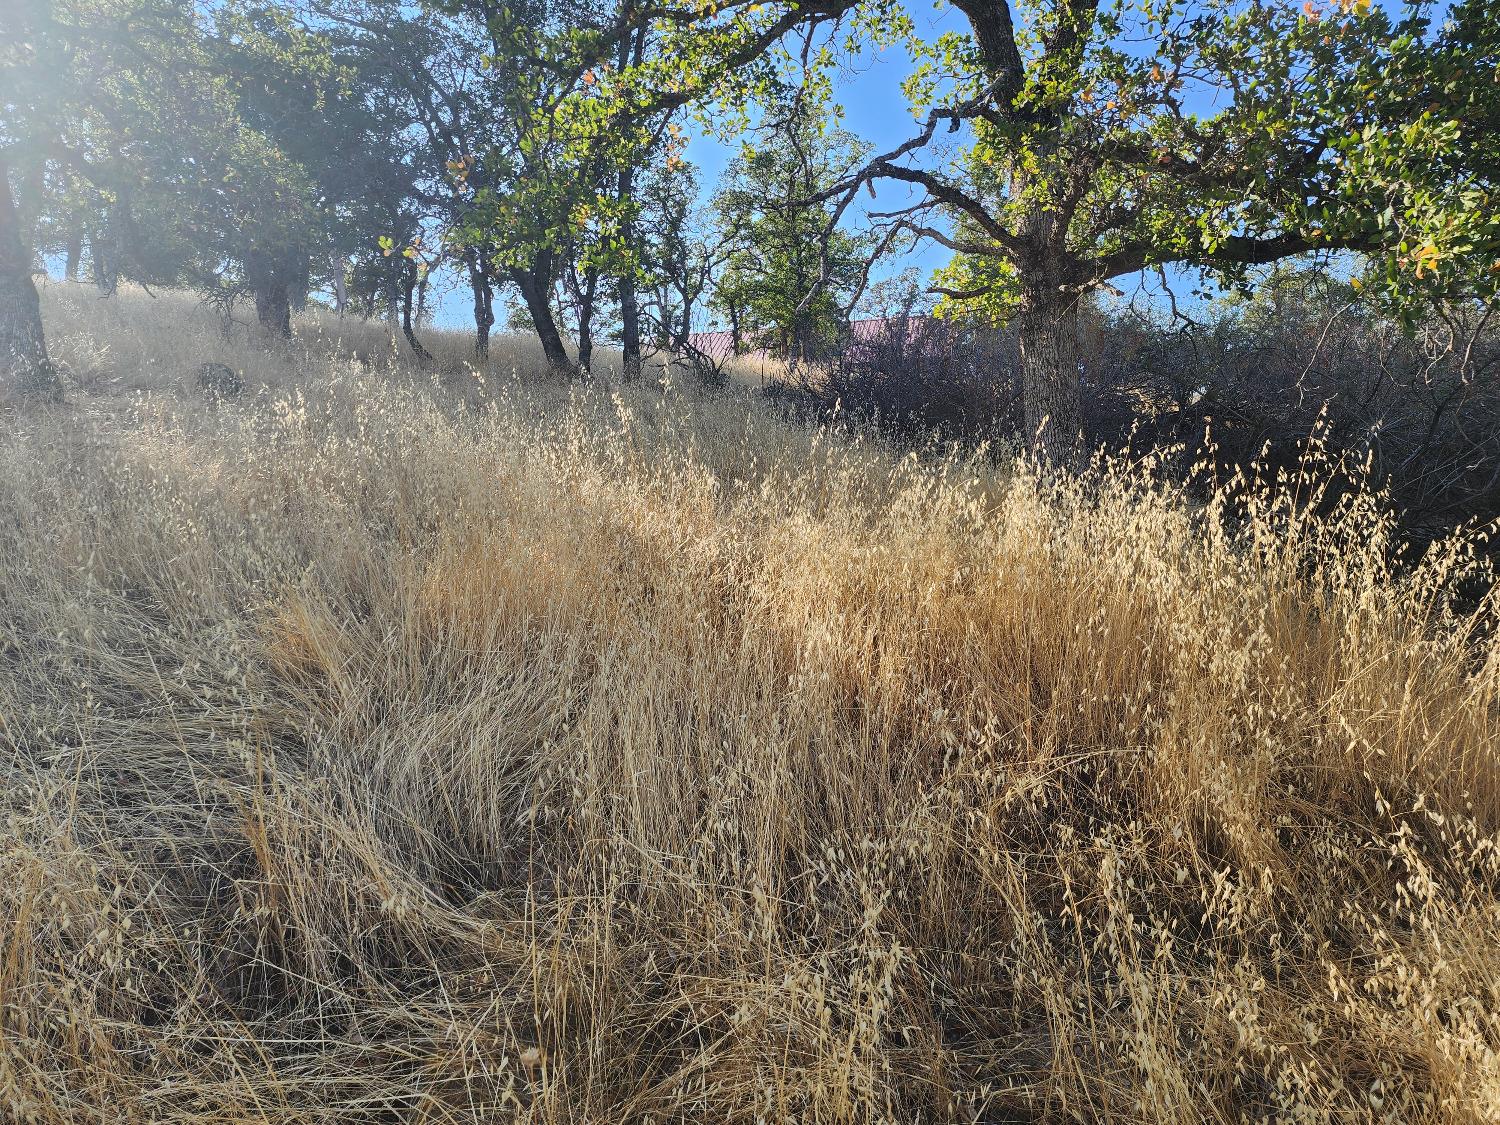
376,752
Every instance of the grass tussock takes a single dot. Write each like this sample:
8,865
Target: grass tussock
367,754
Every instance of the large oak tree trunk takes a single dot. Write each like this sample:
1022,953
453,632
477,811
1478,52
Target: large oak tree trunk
630,328
536,290
31,206
392,298
273,308
301,287
24,364
271,283
1048,330
683,333
736,340
631,50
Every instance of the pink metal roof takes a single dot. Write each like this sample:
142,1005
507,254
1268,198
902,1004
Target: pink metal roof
720,345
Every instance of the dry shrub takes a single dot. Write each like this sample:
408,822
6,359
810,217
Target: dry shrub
644,758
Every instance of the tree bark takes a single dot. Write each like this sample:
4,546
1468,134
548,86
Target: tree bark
536,290
300,287
409,285
113,243
585,295
1048,331
32,205
391,285
683,333
631,50
102,262
24,363
630,307
270,281
484,301
340,285
74,248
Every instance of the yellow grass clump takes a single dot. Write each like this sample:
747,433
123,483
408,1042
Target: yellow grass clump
387,747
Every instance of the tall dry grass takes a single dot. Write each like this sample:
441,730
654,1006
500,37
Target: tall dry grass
152,340
373,753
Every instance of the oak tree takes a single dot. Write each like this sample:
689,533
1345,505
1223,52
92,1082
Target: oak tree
1103,137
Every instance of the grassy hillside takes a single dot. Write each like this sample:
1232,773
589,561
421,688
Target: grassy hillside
380,747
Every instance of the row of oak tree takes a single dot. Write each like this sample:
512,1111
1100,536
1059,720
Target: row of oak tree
536,148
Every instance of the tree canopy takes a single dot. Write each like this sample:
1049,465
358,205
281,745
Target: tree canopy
790,275
263,145
1102,138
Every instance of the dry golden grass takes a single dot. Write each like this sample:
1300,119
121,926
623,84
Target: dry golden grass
373,752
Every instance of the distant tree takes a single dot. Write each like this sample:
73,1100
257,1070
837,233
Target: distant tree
539,158
436,100
514,168
791,273
537,182
219,147
337,158
581,297
67,99
681,252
